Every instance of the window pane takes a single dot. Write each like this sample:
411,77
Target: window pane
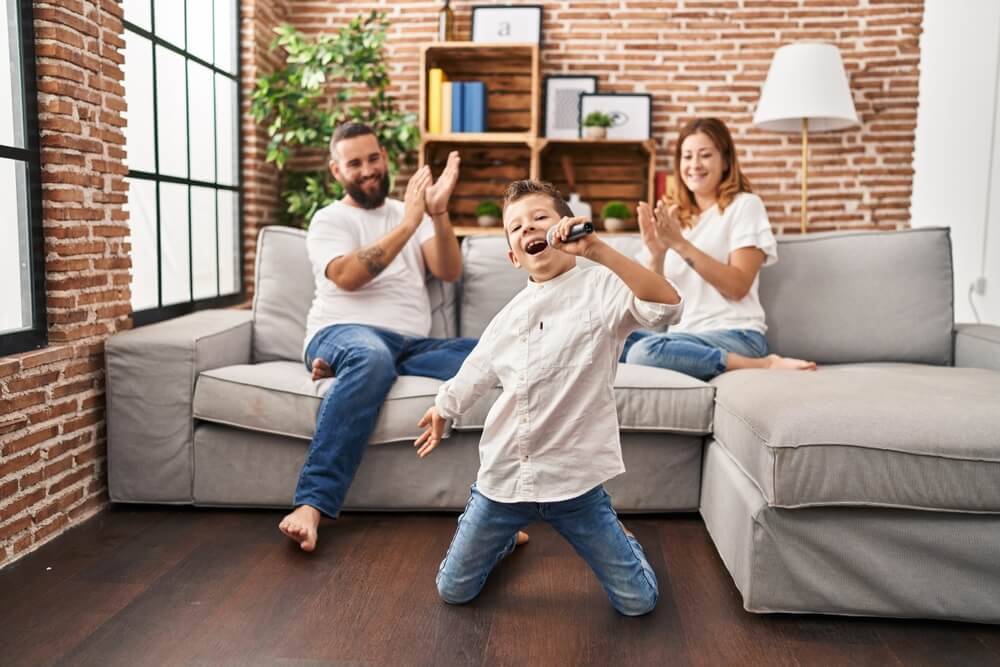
170,20
171,113
202,128
229,242
174,243
203,248
225,128
15,268
11,120
226,29
139,93
141,209
199,29
138,12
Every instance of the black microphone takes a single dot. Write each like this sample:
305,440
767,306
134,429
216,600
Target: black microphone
577,231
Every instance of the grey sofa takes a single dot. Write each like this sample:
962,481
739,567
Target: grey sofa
869,487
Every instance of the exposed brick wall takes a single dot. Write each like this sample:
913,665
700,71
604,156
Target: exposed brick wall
710,57
52,433
258,20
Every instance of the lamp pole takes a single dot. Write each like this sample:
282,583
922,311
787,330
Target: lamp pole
805,170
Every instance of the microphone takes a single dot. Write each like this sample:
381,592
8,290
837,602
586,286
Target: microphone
577,231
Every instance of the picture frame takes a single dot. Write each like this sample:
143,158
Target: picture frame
504,24
631,113
561,103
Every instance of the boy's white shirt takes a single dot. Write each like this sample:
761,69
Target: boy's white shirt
553,433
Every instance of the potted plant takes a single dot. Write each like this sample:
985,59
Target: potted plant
488,213
616,216
596,124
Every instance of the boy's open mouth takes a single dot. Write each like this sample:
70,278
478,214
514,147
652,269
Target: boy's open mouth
536,246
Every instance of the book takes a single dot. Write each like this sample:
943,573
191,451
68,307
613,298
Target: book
474,106
446,108
457,106
434,80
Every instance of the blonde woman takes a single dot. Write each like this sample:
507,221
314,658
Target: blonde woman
711,241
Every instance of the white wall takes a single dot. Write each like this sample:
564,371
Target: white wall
956,122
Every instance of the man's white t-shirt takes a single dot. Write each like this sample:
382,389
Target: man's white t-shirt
395,299
743,224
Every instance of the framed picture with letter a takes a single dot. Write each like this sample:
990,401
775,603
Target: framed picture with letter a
507,23
561,104
631,113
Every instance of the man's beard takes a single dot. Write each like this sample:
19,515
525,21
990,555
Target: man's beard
363,199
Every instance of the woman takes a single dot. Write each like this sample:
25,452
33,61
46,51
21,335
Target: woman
711,242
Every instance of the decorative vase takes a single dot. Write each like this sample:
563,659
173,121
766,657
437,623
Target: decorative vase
591,132
580,208
487,221
616,225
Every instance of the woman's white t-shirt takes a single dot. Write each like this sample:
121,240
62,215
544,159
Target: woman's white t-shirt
743,224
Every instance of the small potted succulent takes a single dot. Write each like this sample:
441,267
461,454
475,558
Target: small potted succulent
616,216
488,214
596,124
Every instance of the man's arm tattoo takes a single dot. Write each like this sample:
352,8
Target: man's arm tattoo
373,258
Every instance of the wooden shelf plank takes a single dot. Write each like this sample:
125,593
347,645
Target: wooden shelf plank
480,138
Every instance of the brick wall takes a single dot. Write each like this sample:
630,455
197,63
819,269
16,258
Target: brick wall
710,57
52,434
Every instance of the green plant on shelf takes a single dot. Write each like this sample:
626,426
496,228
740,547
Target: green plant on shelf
597,119
617,210
488,209
291,104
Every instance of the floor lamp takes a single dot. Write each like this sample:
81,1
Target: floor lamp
806,91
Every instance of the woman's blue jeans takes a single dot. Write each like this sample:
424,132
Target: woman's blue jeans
366,362
700,355
487,531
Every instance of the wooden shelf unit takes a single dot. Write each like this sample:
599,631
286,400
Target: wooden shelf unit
512,148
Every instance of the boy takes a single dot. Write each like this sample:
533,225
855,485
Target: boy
551,439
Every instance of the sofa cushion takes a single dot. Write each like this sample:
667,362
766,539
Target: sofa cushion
649,399
862,297
489,280
898,435
279,397
283,294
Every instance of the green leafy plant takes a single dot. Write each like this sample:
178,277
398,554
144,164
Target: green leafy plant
290,102
597,119
616,209
488,209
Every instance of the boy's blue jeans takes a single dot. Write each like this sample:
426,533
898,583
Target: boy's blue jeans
366,361
487,531
700,355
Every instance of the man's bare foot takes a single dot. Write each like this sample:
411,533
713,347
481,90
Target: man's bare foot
302,526
321,370
788,363
522,538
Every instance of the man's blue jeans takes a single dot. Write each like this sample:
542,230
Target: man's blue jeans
366,361
699,355
487,531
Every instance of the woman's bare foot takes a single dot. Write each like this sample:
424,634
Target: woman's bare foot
302,526
789,363
321,370
522,538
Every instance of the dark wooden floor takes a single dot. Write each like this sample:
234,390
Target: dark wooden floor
197,587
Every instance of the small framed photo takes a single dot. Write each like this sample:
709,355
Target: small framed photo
507,23
561,104
631,113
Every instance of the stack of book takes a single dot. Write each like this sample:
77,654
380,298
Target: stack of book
454,106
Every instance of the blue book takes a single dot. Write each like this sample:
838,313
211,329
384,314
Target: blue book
457,106
474,106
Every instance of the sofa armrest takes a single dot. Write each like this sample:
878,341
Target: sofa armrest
151,373
977,346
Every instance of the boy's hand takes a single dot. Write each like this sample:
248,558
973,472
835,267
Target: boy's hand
429,439
414,201
583,247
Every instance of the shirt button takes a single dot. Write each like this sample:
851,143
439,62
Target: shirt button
524,458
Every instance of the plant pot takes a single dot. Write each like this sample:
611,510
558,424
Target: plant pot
591,132
616,225
487,221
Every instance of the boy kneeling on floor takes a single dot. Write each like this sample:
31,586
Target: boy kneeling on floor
551,439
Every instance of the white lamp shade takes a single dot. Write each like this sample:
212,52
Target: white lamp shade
806,80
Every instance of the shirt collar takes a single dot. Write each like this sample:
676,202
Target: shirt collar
558,280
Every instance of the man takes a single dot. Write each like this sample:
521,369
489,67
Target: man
371,315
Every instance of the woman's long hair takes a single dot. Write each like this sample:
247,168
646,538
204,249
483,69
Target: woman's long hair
733,180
